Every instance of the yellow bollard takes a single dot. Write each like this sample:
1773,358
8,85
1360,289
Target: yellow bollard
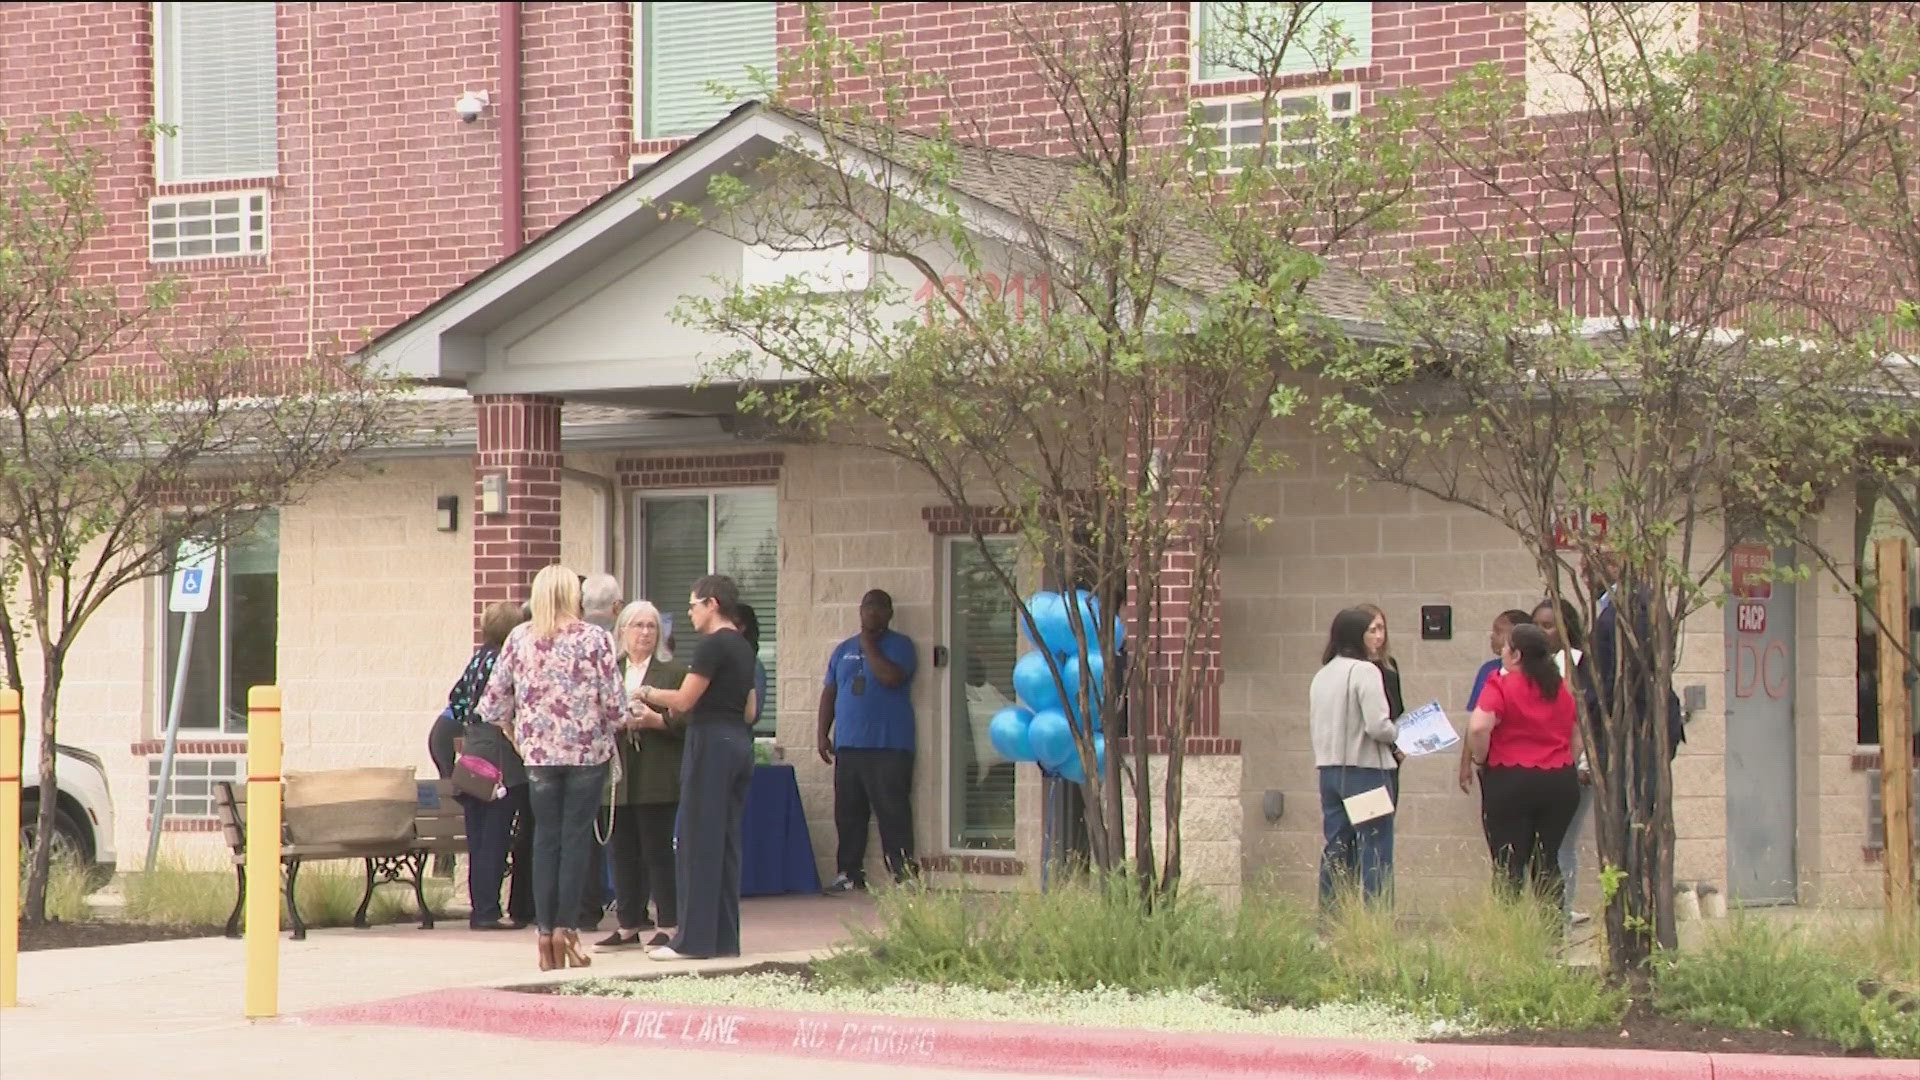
263,851
9,848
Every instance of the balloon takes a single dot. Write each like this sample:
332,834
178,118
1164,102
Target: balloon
1071,769
1056,631
1051,738
1070,674
1050,616
1008,730
1033,682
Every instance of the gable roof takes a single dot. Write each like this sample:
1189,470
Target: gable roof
1001,190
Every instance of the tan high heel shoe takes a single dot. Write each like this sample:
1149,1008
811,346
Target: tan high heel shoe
549,955
566,947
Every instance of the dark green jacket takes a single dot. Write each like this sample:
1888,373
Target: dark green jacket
650,760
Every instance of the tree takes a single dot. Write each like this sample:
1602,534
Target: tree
1083,348
132,417
1635,348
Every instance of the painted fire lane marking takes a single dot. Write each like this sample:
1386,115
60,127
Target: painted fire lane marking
873,1040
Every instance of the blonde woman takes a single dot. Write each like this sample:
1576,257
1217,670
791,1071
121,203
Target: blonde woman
648,795
556,690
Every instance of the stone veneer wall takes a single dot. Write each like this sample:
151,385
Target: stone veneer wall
1331,545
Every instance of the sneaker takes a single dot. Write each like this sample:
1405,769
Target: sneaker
665,952
844,884
615,941
1575,918
659,939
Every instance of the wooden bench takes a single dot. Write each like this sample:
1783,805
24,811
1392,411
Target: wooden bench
439,827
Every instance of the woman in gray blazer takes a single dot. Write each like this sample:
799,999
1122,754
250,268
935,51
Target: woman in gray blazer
1353,732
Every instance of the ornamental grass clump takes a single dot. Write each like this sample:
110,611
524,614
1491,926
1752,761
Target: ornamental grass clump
1102,933
1486,960
1754,973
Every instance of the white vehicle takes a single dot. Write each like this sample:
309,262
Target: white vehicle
83,815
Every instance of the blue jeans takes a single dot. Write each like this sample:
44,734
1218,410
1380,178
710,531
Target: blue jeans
564,798
1570,849
1362,852
489,834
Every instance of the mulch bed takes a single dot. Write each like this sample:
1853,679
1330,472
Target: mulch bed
1643,1029
55,934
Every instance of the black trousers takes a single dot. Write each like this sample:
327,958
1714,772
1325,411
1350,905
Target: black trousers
520,887
642,856
1525,813
876,784
715,771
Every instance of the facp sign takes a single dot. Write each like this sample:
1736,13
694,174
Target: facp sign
193,576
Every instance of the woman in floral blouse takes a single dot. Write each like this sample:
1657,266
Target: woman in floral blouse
556,690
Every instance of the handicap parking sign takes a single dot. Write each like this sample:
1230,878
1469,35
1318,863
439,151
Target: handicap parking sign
192,577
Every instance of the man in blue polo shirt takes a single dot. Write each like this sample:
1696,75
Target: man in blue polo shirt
866,734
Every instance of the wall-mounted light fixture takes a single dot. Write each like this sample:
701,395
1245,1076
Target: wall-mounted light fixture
447,513
493,493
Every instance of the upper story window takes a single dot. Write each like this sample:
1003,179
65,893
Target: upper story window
1227,36
1241,131
681,48
215,76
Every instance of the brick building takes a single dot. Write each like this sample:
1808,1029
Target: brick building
437,177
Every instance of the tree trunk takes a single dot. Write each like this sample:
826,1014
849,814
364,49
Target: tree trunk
34,907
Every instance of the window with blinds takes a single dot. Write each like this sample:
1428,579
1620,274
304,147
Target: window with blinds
215,76
683,536
1216,24
682,50
983,644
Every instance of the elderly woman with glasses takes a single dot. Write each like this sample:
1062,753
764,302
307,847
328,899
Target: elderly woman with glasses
647,797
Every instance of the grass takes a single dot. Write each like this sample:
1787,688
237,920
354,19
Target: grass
1485,963
1828,984
1490,962
67,886
177,894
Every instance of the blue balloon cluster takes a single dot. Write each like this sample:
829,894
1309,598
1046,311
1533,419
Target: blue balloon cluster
1042,727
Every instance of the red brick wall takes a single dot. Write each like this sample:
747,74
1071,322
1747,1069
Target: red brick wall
576,82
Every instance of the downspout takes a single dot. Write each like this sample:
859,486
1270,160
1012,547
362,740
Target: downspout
512,209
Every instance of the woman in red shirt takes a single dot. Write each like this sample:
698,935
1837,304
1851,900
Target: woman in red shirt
1524,735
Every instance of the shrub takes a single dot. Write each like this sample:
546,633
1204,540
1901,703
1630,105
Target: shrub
1756,973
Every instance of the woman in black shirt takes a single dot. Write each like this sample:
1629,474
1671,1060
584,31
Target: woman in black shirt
715,770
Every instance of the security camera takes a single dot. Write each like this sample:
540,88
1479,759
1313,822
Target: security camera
469,105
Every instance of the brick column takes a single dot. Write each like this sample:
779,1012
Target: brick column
519,438
1181,470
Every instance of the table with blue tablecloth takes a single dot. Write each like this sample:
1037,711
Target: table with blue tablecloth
777,854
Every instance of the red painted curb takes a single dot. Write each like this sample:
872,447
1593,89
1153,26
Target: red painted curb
1059,1049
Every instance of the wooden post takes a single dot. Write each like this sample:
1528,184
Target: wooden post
263,851
1896,732
9,848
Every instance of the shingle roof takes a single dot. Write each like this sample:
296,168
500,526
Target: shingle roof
1028,186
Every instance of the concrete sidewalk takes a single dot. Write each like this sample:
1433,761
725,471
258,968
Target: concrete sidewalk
173,1008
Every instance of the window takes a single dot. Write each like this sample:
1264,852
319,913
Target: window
235,641
191,789
206,225
1336,35
214,83
680,48
683,536
983,642
1231,131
